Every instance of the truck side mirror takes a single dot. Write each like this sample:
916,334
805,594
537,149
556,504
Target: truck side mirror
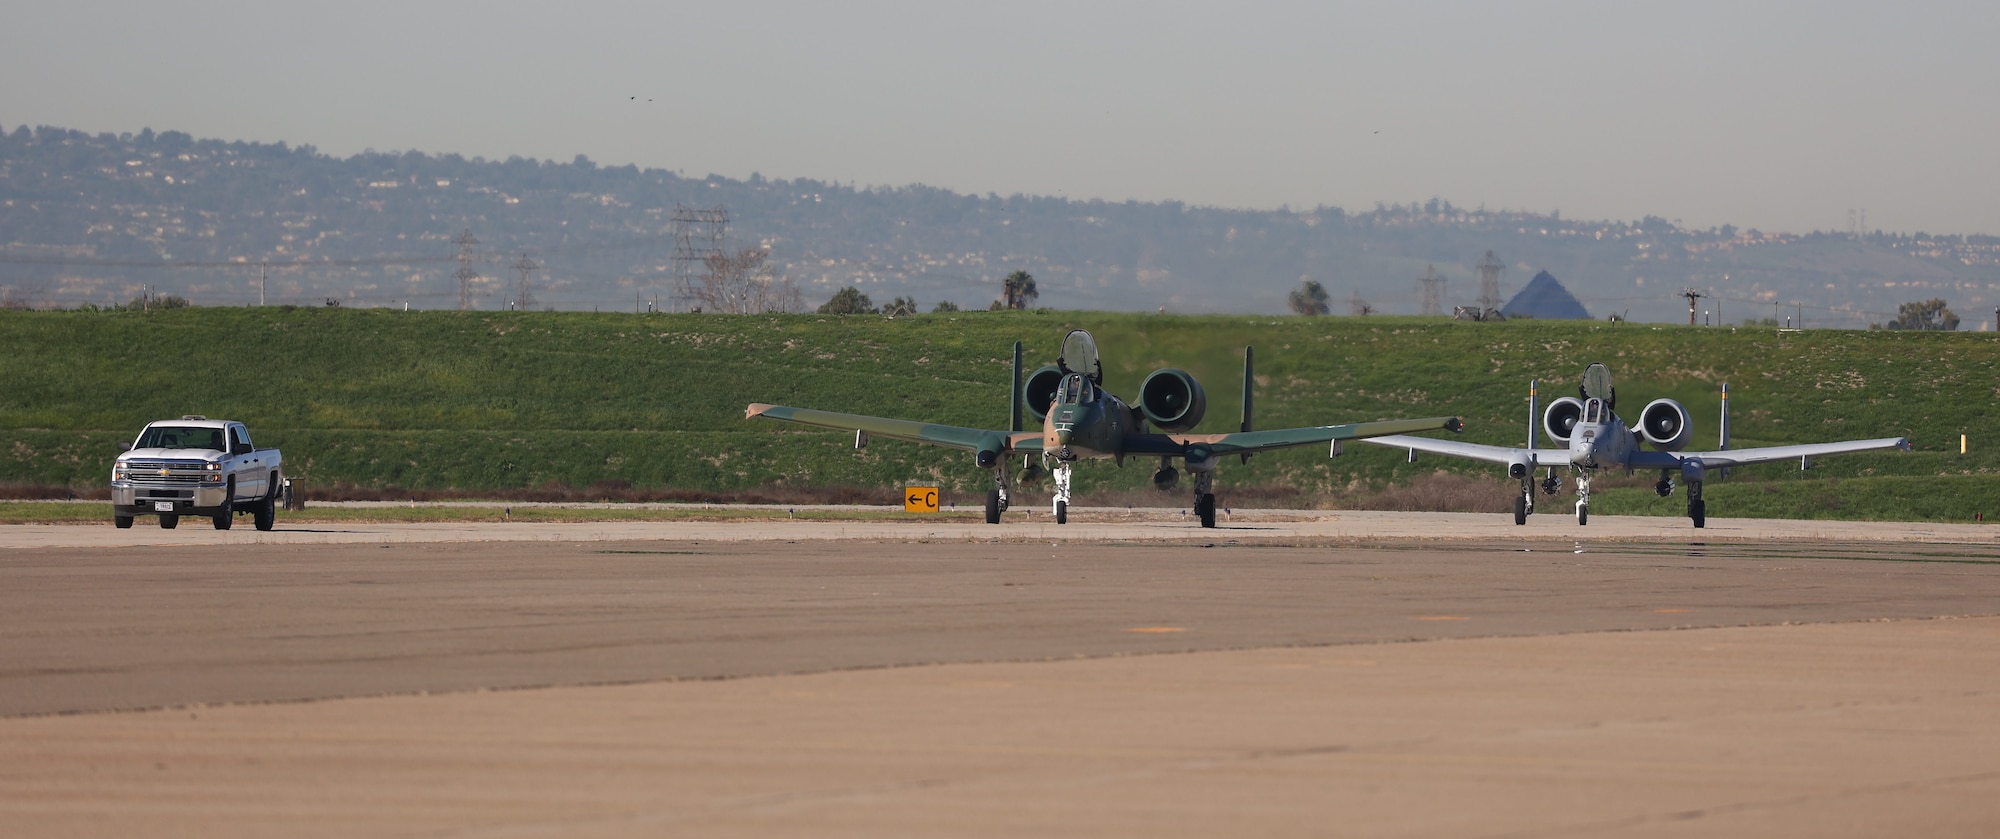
241,448
124,445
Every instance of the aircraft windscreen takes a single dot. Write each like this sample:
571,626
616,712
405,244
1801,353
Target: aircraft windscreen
180,437
1597,384
1079,355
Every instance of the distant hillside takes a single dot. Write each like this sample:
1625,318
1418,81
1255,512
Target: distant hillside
90,218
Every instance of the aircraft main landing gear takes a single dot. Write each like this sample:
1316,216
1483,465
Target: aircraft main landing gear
1204,500
996,498
1697,505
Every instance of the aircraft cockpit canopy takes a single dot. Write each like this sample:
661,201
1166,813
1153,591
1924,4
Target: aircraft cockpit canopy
1079,355
1597,385
1593,411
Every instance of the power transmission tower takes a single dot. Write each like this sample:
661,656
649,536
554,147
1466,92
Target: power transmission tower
698,235
1489,282
466,275
1692,295
1433,288
523,298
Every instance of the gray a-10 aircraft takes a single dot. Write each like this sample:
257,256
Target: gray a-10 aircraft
1594,439
1082,420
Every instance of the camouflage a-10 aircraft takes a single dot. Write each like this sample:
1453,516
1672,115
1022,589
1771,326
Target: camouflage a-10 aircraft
1082,420
1594,438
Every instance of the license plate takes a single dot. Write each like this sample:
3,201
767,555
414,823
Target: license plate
163,506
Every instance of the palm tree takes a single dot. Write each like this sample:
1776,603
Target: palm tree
1017,291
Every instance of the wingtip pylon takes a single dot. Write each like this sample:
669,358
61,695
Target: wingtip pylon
756,409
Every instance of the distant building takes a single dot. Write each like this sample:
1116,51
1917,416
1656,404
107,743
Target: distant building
1545,299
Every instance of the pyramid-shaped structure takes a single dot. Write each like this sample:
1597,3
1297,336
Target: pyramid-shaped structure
1545,299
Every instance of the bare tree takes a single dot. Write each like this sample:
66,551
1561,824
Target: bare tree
744,283
1357,306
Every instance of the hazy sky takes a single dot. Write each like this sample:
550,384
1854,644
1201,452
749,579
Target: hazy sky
1781,116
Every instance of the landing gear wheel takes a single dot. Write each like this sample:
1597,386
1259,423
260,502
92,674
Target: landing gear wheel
225,519
1204,506
1520,510
122,522
169,521
1062,512
1583,514
1698,510
992,506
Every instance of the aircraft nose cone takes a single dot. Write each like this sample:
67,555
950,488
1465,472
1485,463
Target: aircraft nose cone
1062,436
1586,454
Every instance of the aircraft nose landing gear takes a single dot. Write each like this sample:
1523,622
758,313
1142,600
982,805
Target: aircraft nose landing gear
1061,473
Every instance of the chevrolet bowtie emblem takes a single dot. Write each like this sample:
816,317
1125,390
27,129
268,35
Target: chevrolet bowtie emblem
166,471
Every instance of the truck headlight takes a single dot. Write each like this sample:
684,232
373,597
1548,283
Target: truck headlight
212,478
118,473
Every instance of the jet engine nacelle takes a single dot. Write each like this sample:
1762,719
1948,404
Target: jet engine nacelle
1172,400
1665,424
1039,389
1561,419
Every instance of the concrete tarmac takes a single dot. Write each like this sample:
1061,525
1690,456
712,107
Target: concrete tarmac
1287,680
1145,525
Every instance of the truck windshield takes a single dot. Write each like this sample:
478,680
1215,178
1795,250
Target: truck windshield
180,437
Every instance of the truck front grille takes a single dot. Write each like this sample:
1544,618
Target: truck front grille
176,471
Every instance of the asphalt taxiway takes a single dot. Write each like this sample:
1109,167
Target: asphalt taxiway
1131,677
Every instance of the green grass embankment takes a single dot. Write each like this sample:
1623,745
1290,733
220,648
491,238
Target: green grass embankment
503,401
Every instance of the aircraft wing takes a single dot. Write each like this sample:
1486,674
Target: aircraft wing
1474,451
1244,442
1745,457
969,439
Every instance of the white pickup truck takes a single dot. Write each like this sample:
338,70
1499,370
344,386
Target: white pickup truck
195,466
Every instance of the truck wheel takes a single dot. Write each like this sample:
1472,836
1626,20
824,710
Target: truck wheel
169,521
227,517
122,522
266,512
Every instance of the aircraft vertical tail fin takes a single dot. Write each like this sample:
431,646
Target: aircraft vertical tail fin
1014,399
1249,382
1532,410
1723,445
